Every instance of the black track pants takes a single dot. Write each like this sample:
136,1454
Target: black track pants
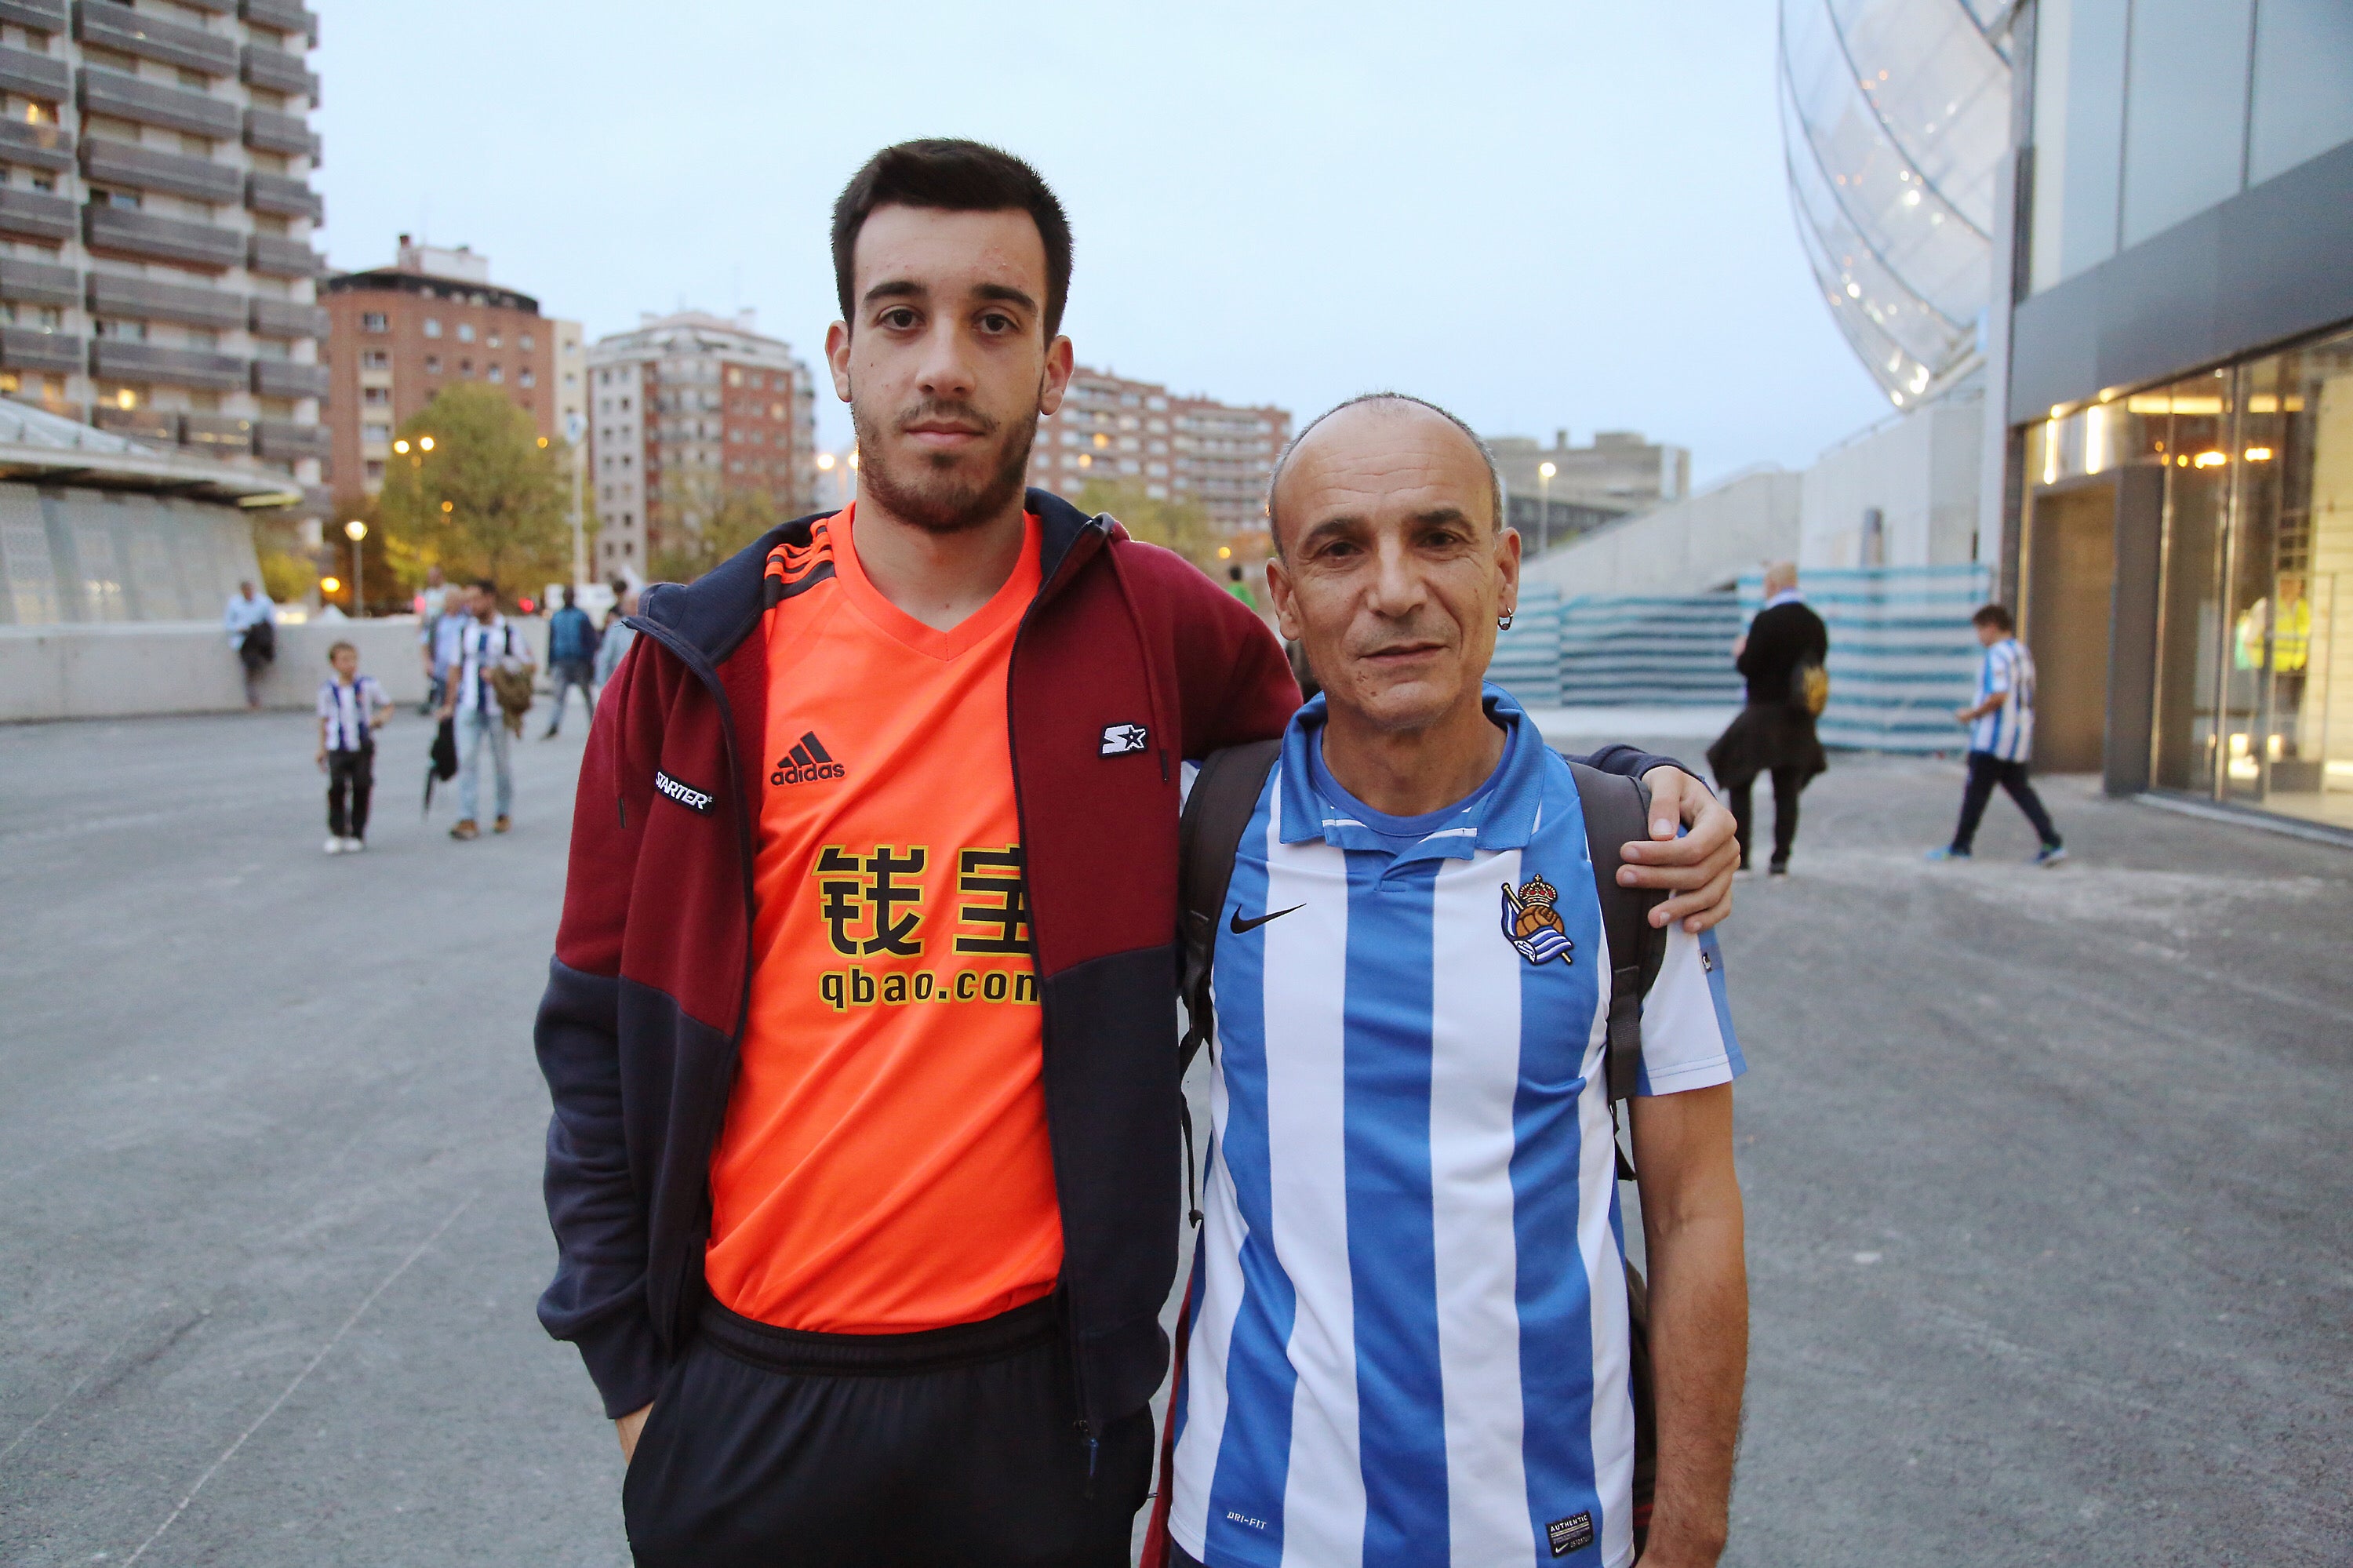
351,777
1985,770
769,1448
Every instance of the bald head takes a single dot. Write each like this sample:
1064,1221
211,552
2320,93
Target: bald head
1356,427
1780,577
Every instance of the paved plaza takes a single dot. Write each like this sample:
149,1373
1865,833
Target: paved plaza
2050,1203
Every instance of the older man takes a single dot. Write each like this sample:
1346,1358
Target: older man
1412,1339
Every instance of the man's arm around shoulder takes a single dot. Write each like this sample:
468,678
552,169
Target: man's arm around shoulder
1693,1228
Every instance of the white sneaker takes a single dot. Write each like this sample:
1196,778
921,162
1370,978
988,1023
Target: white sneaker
354,846
334,846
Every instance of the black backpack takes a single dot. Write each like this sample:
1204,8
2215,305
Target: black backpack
1617,810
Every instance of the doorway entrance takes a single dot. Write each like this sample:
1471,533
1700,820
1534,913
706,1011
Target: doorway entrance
2071,569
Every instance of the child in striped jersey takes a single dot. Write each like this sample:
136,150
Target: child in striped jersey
351,708
2001,737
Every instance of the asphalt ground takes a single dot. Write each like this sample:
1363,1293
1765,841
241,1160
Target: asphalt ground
2047,1177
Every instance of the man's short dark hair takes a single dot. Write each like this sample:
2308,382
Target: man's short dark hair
569,599
951,174
1996,615
487,585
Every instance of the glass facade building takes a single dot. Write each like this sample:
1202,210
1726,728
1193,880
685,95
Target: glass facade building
2178,361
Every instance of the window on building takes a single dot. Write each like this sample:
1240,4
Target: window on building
375,321
495,373
432,326
432,365
113,198
375,468
525,378
491,341
465,331
525,343
465,367
375,396
374,359
375,432
122,331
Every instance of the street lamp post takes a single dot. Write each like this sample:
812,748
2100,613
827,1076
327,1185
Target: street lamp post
1544,503
355,531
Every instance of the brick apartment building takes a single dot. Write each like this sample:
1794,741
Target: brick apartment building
685,409
1186,449
398,334
156,270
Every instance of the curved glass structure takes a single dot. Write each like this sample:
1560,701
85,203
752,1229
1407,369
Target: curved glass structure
1894,115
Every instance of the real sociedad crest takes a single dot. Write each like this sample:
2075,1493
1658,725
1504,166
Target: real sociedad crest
1533,926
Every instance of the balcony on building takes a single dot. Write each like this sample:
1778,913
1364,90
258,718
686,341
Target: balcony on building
276,256
36,215
152,104
278,72
221,435
288,378
144,299
38,283
39,146
161,426
288,319
283,441
114,359
127,231
148,36
27,348
121,164
286,196
34,75
286,16
269,131
41,16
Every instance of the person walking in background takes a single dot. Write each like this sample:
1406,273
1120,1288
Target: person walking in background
1782,656
487,646
432,600
1239,586
351,706
445,641
571,659
615,639
251,622
2001,737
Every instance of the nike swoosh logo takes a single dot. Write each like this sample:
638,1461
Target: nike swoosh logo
1239,926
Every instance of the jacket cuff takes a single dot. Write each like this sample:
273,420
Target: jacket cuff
625,1361
1625,760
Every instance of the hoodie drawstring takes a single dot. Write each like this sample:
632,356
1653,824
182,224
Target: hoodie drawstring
1159,735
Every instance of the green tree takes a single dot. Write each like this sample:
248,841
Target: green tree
708,525
490,497
1183,526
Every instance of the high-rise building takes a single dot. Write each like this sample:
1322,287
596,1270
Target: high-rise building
570,383
400,333
156,271
1620,473
1183,449
685,409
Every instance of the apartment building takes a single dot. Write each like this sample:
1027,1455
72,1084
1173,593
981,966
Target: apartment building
398,334
157,271
1620,473
685,409
1179,447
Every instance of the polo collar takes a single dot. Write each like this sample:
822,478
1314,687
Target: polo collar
1505,820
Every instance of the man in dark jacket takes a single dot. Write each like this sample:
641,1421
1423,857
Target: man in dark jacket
1785,647
861,1029
571,659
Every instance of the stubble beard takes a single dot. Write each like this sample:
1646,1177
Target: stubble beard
925,493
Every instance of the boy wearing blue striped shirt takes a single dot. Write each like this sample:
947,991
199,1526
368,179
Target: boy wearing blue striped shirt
1411,1340
352,707
2001,737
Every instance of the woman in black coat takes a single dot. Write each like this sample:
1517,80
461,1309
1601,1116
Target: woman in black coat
1774,733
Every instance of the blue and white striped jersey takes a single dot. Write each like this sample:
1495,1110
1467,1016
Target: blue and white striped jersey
350,711
2008,732
1409,1340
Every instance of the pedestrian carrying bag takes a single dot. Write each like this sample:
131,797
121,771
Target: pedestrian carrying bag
1617,810
1809,688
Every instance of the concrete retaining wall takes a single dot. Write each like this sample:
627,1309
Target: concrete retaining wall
187,666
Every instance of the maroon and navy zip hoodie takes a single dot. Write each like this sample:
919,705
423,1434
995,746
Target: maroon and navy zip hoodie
647,994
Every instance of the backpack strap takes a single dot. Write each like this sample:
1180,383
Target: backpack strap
1617,811
1225,795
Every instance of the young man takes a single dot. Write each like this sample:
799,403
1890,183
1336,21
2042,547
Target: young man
352,708
2001,737
865,1164
485,645
571,659
1774,733
1411,1340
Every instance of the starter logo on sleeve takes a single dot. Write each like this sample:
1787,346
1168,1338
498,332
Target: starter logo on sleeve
686,795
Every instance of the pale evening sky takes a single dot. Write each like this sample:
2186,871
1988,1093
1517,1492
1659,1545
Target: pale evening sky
1539,214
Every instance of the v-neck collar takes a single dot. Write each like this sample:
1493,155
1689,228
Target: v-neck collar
1003,606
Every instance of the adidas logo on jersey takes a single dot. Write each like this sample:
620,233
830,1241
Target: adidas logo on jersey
806,763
